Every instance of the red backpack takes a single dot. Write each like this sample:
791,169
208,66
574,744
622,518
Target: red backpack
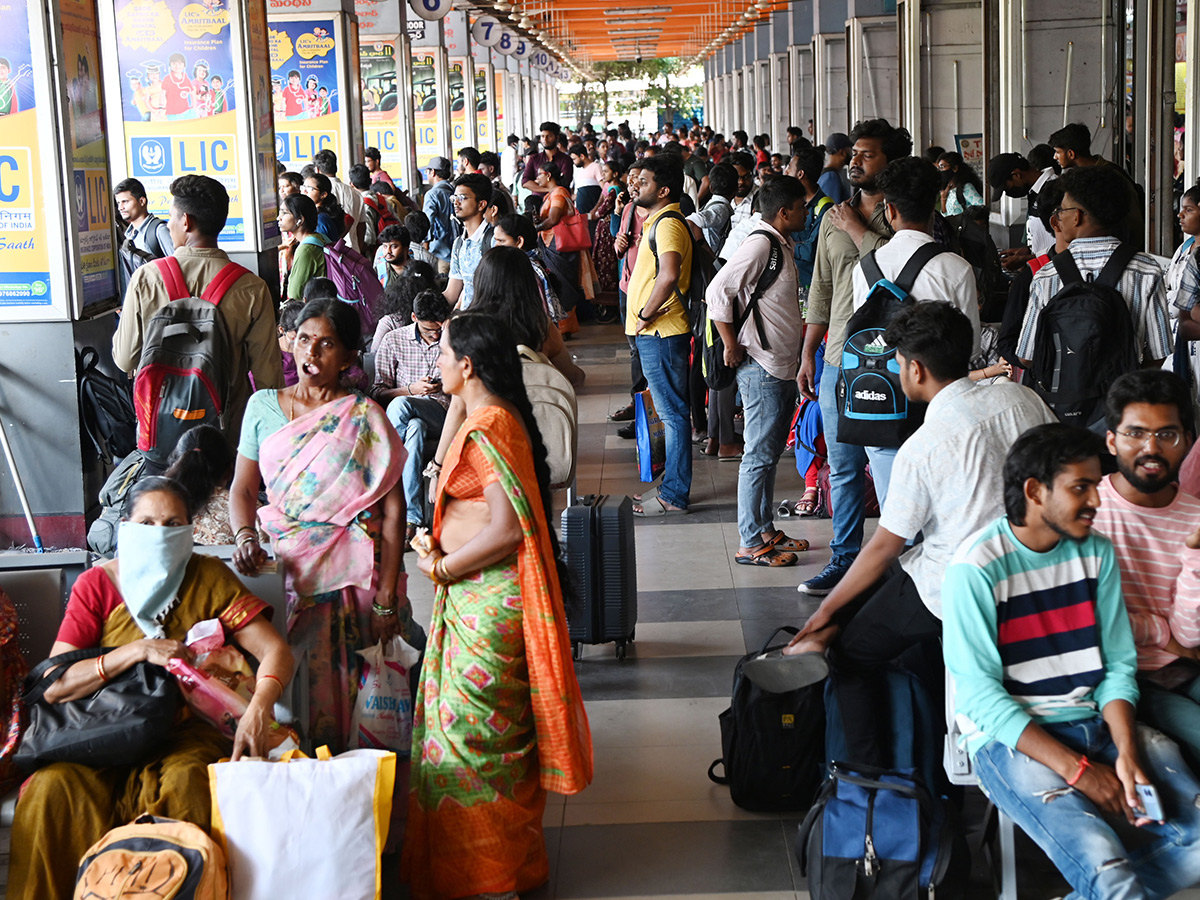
382,209
186,366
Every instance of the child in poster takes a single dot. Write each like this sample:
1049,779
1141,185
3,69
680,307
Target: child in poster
179,90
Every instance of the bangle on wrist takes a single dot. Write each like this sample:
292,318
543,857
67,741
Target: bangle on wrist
245,529
100,668
382,611
262,678
1084,765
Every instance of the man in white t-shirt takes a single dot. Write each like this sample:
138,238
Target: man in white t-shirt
347,196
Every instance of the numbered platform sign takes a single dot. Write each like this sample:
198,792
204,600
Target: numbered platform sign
431,10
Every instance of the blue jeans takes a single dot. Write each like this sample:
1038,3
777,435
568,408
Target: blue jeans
847,475
1073,832
419,421
665,365
767,404
1176,712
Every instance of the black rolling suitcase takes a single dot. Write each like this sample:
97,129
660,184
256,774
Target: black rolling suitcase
597,533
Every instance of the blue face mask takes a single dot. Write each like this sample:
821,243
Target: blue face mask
153,561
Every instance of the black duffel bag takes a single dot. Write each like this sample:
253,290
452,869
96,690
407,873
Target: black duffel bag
772,744
124,723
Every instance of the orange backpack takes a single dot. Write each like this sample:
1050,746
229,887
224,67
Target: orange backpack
153,857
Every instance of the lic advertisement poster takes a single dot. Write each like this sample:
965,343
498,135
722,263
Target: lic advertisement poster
461,129
498,96
425,108
260,106
178,99
381,101
25,276
483,137
305,90
93,206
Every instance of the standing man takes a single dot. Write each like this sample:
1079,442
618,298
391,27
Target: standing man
146,236
658,321
472,194
744,204
834,181
806,165
378,173
1073,149
490,165
587,185
199,207
1012,175
346,195
765,353
439,210
848,230
550,152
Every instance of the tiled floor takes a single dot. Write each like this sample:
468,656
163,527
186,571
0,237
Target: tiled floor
652,824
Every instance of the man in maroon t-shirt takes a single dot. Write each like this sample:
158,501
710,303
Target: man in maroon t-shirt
551,152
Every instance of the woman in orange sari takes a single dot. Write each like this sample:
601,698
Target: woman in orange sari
499,719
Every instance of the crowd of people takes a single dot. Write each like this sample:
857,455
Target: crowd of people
1039,522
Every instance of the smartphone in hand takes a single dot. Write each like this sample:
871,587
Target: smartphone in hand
1151,805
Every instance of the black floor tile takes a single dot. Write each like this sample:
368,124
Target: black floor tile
783,603
607,678
716,605
677,858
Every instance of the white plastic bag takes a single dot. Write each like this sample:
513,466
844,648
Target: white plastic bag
383,713
312,828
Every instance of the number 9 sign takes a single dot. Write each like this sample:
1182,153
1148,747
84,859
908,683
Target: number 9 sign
523,49
486,31
431,10
506,43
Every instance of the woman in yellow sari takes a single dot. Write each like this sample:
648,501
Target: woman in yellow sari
499,719
141,606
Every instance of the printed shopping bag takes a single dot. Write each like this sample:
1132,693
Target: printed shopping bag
267,815
651,437
383,711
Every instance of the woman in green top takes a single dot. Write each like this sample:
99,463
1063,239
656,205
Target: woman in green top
298,217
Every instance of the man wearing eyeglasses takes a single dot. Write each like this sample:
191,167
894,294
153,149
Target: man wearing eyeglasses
472,194
1155,528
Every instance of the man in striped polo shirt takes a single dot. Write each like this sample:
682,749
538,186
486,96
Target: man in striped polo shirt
1155,528
1040,647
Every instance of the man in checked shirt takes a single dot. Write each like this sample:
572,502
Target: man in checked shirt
408,386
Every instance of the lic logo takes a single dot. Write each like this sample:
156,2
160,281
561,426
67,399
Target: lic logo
281,147
150,157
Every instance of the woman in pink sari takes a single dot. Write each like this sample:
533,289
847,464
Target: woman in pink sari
335,513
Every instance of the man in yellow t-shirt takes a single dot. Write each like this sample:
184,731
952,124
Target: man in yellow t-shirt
658,320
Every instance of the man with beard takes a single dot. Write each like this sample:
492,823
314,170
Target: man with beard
550,152
1155,528
1043,659
1012,175
745,204
848,230
947,486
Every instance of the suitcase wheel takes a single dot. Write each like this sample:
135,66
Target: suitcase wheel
576,650
620,649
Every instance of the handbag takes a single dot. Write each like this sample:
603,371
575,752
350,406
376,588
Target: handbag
651,437
124,723
571,234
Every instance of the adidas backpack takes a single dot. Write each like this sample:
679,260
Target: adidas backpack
1084,340
153,857
872,408
186,366
555,411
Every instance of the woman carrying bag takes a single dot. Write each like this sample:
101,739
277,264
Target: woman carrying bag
564,247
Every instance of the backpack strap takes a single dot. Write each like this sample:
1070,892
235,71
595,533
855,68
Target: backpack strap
215,292
172,276
908,275
871,270
766,279
671,214
1110,275
1068,272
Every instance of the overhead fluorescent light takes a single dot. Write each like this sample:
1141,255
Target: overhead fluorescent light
639,20
647,10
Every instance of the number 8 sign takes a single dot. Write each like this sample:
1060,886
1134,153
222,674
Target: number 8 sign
507,42
486,31
431,10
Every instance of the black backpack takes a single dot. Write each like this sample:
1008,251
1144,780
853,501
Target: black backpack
703,269
717,375
872,408
976,246
772,745
106,408
1085,339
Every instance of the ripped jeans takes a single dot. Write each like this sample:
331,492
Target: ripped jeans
1075,835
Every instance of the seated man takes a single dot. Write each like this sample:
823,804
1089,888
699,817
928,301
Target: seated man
409,387
1155,528
1044,663
392,255
947,485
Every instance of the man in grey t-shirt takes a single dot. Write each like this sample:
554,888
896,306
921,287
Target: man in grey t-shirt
146,236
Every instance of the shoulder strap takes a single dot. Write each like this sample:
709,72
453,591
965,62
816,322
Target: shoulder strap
215,292
871,269
962,197
766,279
313,240
1110,275
172,276
917,262
37,682
825,202
671,214
1068,272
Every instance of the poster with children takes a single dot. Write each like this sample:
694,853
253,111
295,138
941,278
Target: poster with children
178,99
305,90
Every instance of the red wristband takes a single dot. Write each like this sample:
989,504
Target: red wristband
1084,764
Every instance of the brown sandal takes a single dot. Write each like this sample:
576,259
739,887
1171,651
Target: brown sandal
781,541
768,556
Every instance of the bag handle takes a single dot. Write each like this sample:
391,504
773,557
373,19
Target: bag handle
715,778
790,629
38,682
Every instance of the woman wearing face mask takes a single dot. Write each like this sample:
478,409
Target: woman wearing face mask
141,605
499,719
334,513
961,188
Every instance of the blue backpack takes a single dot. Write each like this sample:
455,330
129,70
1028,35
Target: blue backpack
872,408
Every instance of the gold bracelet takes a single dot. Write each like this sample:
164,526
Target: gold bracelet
100,668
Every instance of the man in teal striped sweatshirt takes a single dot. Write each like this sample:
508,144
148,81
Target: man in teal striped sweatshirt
1039,644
